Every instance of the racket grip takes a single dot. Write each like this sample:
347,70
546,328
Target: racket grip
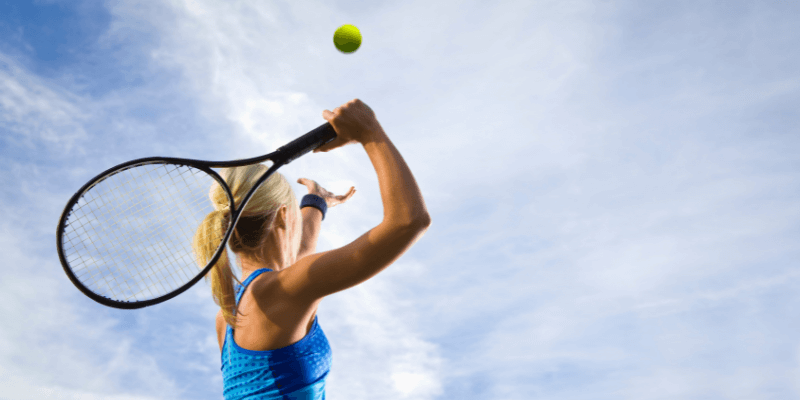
308,142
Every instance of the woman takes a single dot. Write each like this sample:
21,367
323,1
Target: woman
271,343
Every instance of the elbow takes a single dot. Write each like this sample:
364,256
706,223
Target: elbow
417,222
423,222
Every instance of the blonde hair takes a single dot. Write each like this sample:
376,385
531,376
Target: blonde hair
249,239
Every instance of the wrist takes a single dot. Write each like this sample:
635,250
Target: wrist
373,135
316,202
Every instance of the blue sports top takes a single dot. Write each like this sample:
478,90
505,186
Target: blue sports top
294,372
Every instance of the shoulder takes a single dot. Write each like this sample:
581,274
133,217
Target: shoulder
262,286
270,296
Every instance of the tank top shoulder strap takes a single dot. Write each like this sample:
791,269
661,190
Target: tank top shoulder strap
241,288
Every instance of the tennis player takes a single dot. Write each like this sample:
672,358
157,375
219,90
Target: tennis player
271,342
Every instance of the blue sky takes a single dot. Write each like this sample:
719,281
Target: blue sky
613,187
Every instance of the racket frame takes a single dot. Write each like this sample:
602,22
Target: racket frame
283,156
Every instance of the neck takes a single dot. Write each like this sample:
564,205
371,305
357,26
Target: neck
250,266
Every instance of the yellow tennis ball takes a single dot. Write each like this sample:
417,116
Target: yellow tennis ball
347,38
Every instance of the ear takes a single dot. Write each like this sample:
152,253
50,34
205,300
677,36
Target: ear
283,213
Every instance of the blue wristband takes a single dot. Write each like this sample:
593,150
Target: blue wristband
312,200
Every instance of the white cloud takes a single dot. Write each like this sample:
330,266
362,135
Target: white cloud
32,112
612,186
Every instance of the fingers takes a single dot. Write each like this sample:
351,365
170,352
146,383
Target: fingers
314,188
311,185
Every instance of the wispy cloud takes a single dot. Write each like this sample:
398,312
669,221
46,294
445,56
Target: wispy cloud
613,190
34,113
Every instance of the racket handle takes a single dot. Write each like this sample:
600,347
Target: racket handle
308,142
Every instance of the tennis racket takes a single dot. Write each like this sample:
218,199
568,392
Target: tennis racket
124,239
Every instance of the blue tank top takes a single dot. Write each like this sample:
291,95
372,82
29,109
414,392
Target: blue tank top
294,372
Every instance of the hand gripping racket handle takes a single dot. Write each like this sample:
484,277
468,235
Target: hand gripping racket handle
319,136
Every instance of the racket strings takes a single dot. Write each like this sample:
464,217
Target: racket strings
147,258
92,205
129,236
106,203
112,228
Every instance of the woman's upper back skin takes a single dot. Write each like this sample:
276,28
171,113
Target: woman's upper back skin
269,321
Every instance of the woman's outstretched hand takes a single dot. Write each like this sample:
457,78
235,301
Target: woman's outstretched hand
330,199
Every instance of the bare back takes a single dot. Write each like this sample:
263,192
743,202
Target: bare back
269,322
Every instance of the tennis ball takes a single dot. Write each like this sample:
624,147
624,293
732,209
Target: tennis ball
347,38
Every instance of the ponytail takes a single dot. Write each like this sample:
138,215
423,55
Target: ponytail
206,241
249,239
